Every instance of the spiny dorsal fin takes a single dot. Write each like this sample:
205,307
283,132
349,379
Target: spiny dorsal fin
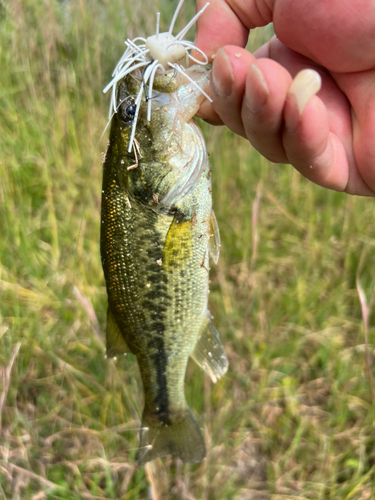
209,352
214,238
116,344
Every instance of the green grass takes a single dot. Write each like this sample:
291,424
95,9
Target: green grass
294,416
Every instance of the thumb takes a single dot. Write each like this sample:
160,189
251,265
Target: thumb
227,22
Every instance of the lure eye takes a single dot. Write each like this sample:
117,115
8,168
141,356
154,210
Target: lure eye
128,111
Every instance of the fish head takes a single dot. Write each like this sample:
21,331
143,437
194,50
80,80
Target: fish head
168,136
174,101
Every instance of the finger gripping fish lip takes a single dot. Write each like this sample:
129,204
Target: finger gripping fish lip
158,54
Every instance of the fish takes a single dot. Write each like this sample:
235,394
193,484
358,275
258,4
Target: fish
158,232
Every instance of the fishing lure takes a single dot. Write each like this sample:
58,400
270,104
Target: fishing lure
156,54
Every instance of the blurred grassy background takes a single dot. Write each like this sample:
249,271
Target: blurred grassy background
293,418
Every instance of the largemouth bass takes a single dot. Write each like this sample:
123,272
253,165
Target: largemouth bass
158,231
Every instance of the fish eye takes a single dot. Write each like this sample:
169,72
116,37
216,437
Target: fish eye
127,111
130,111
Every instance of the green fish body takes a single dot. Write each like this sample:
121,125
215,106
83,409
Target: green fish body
157,234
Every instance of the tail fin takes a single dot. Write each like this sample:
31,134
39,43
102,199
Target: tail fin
181,438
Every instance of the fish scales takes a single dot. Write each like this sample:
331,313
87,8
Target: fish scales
155,246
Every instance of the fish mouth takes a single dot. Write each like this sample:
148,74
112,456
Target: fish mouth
187,90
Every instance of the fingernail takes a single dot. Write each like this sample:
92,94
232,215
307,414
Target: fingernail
222,76
257,93
306,84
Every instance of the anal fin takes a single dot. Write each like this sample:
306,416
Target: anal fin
115,342
209,352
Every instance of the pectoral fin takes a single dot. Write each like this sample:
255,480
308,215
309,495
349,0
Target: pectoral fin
178,244
214,238
115,341
209,352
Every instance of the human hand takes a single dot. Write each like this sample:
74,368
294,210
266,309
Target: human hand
329,137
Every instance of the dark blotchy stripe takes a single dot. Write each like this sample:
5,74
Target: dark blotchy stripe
156,347
160,359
